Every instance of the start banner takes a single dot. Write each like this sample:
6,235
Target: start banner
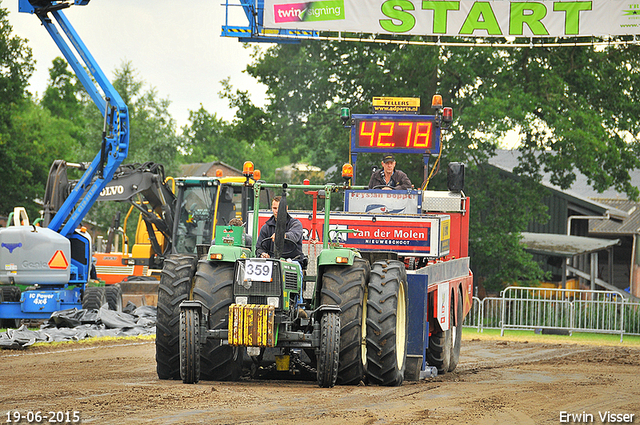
468,18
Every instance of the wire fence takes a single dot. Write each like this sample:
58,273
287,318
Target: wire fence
568,310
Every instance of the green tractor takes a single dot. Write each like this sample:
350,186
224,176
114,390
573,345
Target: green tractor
228,305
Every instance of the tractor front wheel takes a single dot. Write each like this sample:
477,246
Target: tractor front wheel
190,345
329,349
213,285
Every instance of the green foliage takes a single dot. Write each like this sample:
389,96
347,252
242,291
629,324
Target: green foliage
575,109
497,218
16,66
63,94
204,138
153,130
308,83
35,139
152,136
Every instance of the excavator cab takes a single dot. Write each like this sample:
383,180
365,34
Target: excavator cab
204,203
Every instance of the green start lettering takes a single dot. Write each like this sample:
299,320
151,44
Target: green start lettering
440,9
395,9
481,17
572,14
518,18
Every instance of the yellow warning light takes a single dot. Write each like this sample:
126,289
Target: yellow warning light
218,173
347,171
436,101
257,174
247,169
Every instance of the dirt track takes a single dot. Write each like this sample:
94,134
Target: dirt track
497,382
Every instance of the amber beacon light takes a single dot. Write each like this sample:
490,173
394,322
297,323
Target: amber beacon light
247,169
347,171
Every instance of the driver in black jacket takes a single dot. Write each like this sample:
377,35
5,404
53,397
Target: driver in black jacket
389,177
293,232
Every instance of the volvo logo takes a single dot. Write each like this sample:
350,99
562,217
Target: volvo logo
112,190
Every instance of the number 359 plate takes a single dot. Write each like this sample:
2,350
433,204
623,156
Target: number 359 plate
258,271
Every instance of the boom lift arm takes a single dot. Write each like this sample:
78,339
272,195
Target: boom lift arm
115,135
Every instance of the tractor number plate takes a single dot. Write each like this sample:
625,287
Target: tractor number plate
258,271
251,325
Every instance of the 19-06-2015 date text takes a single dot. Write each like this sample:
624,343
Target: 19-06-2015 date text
37,417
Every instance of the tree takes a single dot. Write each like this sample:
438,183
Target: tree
208,138
250,137
495,225
16,66
152,133
568,103
63,93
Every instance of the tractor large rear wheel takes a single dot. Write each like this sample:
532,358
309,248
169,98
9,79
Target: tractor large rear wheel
344,286
174,287
213,285
329,350
190,345
387,323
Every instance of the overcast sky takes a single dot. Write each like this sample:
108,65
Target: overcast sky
175,47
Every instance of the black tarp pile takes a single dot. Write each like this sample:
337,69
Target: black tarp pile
74,324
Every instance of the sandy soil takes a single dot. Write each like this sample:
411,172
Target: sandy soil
497,382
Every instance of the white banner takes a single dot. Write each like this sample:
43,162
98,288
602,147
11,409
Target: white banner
495,18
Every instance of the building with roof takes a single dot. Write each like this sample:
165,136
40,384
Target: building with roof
608,222
209,169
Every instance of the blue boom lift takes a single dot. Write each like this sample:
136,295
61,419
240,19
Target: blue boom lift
55,261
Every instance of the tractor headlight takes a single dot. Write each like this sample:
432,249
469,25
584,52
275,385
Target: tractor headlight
274,301
242,300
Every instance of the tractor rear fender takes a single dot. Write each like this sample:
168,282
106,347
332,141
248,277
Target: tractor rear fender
333,257
337,256
227,253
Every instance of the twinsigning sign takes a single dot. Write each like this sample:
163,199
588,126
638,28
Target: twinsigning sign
469,18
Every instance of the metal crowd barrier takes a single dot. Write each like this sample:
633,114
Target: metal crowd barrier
569,310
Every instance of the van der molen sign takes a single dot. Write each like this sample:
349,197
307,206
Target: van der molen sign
496,18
